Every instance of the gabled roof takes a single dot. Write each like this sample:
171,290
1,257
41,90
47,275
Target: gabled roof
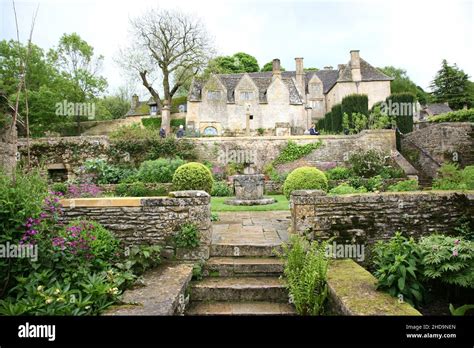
367,71
436,109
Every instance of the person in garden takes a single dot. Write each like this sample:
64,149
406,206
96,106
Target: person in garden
162,133
180,132
313,131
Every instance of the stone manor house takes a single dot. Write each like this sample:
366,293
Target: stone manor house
279,101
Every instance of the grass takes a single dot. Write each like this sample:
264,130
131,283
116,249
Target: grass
217,204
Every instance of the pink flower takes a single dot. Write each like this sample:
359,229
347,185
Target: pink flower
456,242
455,252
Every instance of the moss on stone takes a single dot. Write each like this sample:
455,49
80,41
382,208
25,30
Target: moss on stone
354,289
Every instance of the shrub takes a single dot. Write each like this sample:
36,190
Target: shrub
221,189
398,268
448,259
344,189
193,176
292,151
454,116
338,173
140,258
305,178
187,237
59,187
402,186
389,172
158,171
139,189
367,163
106,173
374,183
450,177
133,133
152,123
403,117
305,270
355,103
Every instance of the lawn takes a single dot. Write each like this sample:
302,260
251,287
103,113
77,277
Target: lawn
217,204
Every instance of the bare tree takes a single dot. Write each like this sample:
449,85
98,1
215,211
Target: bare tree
170,46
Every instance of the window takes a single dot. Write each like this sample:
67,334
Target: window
153,109
213,95
246,95
315,88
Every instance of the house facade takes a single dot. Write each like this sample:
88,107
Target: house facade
241,104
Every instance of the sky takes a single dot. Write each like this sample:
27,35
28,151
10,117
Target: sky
408,34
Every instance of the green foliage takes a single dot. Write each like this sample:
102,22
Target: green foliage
187,237
193,176
339,173
59,187
140,258
292,151
389,172
140,189
401,110
238,63
355,103
214,217
344,189
152,123
367,163
465,227
403,186
221,189
403,84
398,265
269,67
106,173
197,271
305,178
454,116
448,259
112,107
452,85
460,311
450,177
306,266
158,171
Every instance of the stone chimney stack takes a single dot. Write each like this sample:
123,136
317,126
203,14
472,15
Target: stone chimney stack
340,66
355,66
300,83
134,103
276,71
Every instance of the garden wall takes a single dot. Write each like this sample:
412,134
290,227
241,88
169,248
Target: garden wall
438,143
366,218
151,220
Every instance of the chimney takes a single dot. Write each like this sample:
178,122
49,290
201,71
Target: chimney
340,66
355,66
276,71
134,103
300,83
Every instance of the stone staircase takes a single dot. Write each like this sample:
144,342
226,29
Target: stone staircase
241,279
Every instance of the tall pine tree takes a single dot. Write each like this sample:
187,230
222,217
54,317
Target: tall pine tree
451,85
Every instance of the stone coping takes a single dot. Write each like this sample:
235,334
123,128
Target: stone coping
132,201
376,196
352,291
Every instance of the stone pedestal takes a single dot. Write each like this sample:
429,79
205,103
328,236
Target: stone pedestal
249,190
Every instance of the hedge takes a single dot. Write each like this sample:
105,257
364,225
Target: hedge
454,116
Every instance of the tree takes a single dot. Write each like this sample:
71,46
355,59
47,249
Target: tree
269,67
452,85
75,58
168,45
237,63
403,84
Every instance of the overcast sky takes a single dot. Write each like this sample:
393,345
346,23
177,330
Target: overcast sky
413,35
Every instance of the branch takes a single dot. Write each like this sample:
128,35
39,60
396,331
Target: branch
152,91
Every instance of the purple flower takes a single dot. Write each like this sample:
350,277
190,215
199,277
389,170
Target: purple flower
455,252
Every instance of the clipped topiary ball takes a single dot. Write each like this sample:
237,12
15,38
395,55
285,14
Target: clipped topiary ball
193,176
305,178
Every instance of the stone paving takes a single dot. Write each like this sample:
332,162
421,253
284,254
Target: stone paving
251,228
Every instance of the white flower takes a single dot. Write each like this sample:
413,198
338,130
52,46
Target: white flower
49,300
40,288
57,291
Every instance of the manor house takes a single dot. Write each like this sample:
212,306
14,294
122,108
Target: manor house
279,100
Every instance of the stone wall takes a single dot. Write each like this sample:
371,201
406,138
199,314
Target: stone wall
151,220
71,152
366,218
438,143
8,149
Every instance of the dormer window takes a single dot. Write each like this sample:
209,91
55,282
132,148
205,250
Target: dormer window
246,95
315,88
213,95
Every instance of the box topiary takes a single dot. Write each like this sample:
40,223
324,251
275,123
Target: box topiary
305,178
193,176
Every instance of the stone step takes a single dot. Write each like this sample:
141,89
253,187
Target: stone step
243,266
239,289
244,250
240,308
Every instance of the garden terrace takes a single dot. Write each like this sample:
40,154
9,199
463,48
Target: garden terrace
151,220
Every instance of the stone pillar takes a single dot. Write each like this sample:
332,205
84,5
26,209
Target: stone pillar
8,148
166,117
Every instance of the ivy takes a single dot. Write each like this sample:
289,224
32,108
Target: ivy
292,151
